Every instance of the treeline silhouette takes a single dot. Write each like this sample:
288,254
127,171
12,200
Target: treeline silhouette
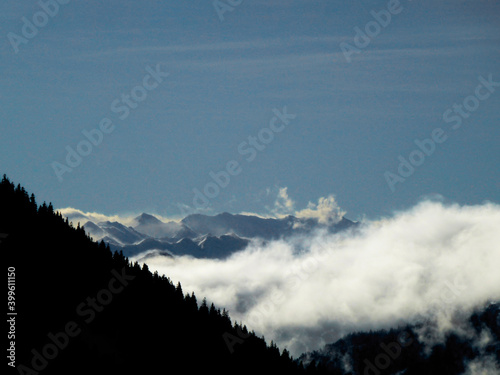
82,309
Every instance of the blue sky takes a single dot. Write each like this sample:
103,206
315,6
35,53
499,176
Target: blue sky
225,78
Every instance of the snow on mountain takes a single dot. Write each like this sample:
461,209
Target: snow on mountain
201,236
153,227
120,233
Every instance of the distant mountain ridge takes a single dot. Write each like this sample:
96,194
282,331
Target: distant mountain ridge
201,236
257,227
153,227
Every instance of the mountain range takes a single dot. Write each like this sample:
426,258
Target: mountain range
200,236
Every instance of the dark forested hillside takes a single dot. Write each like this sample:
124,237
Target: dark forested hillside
78,308
474,348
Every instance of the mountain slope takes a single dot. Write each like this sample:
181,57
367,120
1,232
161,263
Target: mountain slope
83,309
119,233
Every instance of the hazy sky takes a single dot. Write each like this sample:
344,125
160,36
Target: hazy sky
231,73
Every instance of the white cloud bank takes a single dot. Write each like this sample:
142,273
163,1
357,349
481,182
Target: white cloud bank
432,259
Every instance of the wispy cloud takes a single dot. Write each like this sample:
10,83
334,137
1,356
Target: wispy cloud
255,44
283,205
326,211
